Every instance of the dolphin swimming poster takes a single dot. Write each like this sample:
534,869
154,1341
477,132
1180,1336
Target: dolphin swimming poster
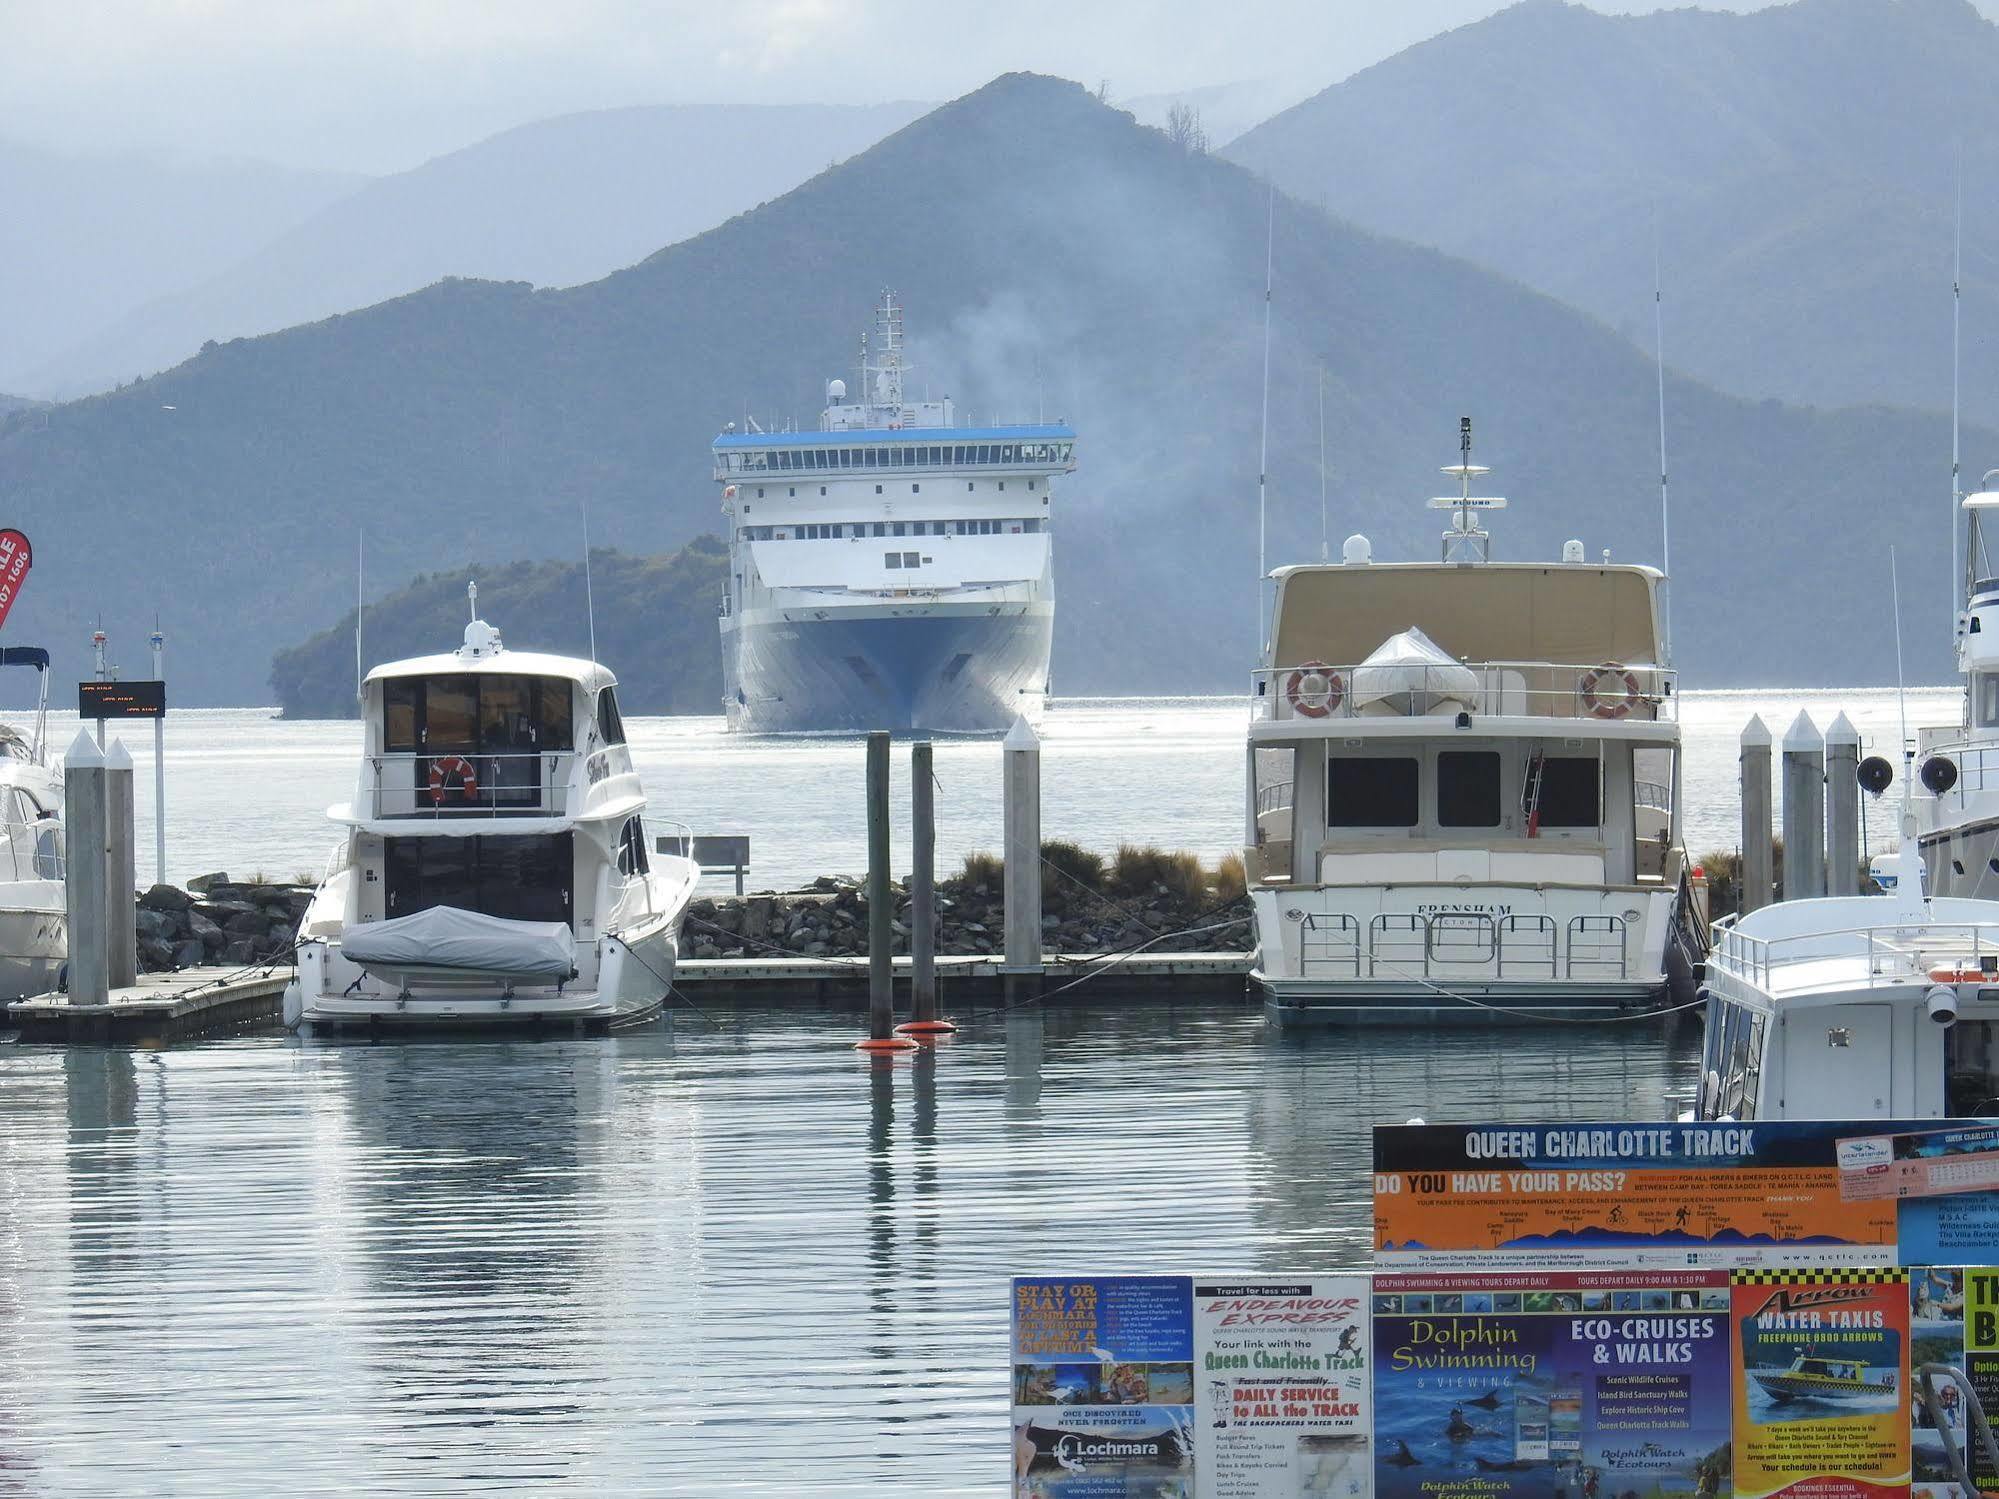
1576,1385
1103,1387
1281,1388
1821,1383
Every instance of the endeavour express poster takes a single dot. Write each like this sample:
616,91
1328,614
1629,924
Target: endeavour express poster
1937,1336
1577,1385
1103,1387
1548,1196
1281,1389
1821,1383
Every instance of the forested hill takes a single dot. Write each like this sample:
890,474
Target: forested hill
1054,258
1794,166
655,628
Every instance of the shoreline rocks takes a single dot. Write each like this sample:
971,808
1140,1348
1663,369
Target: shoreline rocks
217,921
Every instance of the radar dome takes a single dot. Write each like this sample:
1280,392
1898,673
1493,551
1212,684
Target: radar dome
1356,548
836,392
1572,551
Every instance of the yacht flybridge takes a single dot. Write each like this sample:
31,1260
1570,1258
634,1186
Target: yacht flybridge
495,867
1463,786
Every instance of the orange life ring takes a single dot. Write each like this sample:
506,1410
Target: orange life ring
1598,706
441,772
1310,698
1959,976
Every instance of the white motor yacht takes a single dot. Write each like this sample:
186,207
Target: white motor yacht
1463,787
1959,818
1855,1007
495,868
34,922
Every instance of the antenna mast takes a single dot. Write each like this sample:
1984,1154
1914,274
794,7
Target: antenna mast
589,594
1263,443
1665,508
1956,486
1325,537
360,603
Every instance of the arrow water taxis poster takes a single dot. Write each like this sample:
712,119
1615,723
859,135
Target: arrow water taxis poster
1546,1196
1821,1383
1281,1389
1580,1385
1103,1387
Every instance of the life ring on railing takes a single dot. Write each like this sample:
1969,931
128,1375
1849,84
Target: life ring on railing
1959,976
1314,690
1599,706
441,773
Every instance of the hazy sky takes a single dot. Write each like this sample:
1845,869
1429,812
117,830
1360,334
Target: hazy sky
379,85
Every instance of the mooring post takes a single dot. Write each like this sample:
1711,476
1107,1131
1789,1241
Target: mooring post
881,932
86,871
1021,753
1758,863
1804,810
1842,808
121,876
923,896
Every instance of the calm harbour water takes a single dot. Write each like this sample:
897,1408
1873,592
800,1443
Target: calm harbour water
706,1259
247,792
709,1258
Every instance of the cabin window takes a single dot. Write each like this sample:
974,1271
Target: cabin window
1570,792
1372,791
513,877
1971,1068
402,727
1988,699
475,714
891,559
1468,789
609,723
912,559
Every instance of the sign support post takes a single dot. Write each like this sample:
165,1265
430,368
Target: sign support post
160,769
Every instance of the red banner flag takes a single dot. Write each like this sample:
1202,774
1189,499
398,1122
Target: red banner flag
16,556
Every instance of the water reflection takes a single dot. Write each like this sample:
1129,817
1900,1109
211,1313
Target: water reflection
704,1258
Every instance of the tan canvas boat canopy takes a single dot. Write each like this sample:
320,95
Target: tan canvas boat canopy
1571,613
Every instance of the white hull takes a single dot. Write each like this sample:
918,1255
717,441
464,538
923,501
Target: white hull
34,937
634,973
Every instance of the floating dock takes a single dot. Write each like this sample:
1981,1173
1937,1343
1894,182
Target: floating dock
1155,977
159,1008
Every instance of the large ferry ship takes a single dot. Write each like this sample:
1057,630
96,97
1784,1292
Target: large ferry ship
891,570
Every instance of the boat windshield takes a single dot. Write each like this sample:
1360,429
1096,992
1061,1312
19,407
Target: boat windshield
1971,1069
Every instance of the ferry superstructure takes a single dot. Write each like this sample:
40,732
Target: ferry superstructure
1463,787
1959,818
891,570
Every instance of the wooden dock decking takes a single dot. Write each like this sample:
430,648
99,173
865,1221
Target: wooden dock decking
161,1007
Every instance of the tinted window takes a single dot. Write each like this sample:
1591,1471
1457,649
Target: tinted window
451,715
609,724
1376,791
402,698
1569,792
515,878
1468,789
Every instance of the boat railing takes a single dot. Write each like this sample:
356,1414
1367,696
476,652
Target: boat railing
1977,761
1894,954
1462,944
1275,797
1656,795
450,785
1316,691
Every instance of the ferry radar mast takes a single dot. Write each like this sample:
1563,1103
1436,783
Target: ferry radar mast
881,377
1466,543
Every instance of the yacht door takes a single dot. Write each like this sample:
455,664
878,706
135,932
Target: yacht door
1839,1063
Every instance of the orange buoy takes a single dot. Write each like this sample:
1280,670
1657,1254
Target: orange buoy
885,1044
925,1028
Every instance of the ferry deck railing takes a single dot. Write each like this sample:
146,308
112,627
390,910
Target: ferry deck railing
1894,954
1463,944
1526,689
503,785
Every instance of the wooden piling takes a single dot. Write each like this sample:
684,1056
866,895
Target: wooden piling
923,897
85,816
881,932
1804,810
1758,857
1842,799
1021,811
